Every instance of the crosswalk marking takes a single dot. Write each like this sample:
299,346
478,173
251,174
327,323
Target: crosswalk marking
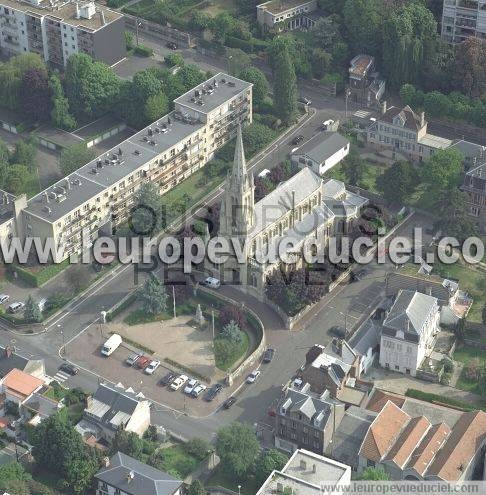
60,376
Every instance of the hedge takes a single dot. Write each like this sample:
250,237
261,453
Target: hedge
41,277
439,399
190,371
144,51
130,299
232,42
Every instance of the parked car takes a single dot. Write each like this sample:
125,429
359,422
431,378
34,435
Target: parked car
190,386
304,100
167,379
338,331
212,283
171,45
297,140
178,382
152,366
264,173
198,390
355,276
253,376
131,360
213,392
327,124
142,362
268,355
4,298
15,307
229,402
69,369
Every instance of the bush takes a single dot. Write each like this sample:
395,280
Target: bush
198,447
174,59
232,42
232,313
143,50
435,398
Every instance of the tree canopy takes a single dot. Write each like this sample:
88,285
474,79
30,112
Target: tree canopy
153,296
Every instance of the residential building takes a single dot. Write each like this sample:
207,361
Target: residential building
462,19
365,342
306,473
286,15
98,196
322,152
409,332
10,208
423,447
306,420
474,154
112,408
475,186
124,475
17,386
405,133
303,208
366,86
57,29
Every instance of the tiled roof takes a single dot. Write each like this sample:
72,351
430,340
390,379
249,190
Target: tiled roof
410,118
428,447
465,440
383,432
20,382
408,440
379,398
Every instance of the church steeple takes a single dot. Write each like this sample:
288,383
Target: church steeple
239,175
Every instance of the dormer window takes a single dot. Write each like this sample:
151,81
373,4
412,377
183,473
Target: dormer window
400,334
399,120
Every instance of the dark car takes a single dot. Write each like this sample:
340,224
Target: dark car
171,45
167,379
355,276
69,369
268,356
297,140
213,392
229,402
338,331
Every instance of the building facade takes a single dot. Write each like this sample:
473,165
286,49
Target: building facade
57,29
409,332
462,19
98,197
475,187
286,15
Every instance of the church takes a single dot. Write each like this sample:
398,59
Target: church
306,209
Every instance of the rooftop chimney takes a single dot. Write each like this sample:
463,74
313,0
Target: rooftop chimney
303,464
383,107
78,11
102,18
46,196
106,461
130,476
422,119
8,351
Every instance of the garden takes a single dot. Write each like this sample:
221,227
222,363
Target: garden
473,375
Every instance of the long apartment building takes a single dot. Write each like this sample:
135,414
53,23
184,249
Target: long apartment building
462,19
98,196
57,29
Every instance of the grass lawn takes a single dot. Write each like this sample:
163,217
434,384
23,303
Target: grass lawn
249,486
139,317
218,6
176,460
371,172
465,355
242,351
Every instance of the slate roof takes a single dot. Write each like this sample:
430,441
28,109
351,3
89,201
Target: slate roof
41,405
366,337
316,410
470,150
8,363
410,118
341,202
322,146
410,312
146,479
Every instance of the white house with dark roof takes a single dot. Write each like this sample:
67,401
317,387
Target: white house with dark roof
322,152
124,475
409,331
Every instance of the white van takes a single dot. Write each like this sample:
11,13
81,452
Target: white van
42,304
264,173
212,283
111,344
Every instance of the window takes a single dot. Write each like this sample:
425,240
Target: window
370,463
397,368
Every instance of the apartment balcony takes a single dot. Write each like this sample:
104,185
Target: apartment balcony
14,44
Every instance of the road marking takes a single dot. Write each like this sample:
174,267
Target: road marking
61,377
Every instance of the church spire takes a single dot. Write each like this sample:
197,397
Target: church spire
239,176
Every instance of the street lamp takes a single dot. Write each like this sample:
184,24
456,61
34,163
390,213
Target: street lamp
239,489
137,25
63,342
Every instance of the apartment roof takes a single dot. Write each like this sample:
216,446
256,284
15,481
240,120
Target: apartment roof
212,93
410,312
383,432
66,12
360,65
136,478
317,411
340,201
278,6
410,119
466,438
322,146
21,383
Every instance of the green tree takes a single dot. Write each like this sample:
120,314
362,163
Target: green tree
363,21
60,115
238,448
267,462
129,40
469,75
128,443
374,474
147,217
153,296
285,87
156,106
353,167
173,59
223,24
91,86
196,488
259,81
25,153
225,352
16,179
321,61
190,76
442,170
398,182
232,332
32,312
198,447
325,33
35,94
74,157
408,94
